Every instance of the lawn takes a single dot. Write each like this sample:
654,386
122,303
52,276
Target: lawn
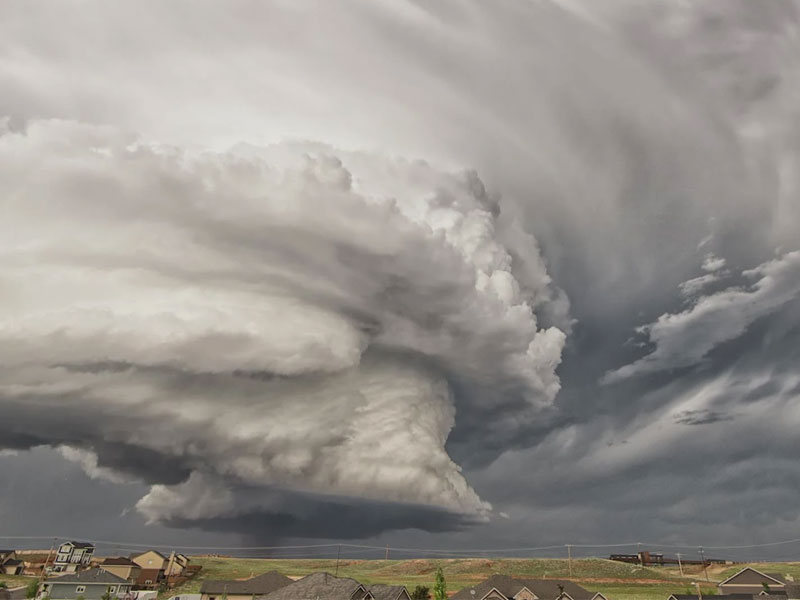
13,581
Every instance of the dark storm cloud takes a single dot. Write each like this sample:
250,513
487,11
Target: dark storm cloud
638,159
307,516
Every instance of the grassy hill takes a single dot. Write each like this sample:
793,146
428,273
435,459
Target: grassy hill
618,581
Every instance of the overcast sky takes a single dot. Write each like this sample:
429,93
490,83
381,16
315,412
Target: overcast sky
453,274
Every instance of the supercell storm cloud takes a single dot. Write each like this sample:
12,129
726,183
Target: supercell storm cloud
460,273
287,318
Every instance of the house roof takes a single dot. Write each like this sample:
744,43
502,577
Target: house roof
320,586
119,561
751,576
90,576
545,589
386,592
138,554
792,589
12,562
263,584
148,574
80,544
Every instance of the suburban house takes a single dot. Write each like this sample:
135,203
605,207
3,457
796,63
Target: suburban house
152,559
122,567
322,586
243,589
10,564
503,587
72,556
176,564
389,592
91,584
752,581
148,579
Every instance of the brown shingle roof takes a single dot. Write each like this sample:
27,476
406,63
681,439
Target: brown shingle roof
261,585
318,586
119,561
146,575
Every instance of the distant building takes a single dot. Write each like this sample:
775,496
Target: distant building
503,587
73,556
91,584
243,589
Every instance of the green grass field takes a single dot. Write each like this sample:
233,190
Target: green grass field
13,581
618,581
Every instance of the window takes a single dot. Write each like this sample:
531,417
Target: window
112,589
148,581
80,589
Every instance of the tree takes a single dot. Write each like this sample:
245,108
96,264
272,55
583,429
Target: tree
766,586
440,586
106,596
32,588
421,592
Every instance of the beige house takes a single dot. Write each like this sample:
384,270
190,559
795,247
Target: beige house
752,581
152,559
122,567
176,564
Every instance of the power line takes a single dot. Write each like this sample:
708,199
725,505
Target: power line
125,545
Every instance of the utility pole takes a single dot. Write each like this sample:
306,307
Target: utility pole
338,553
639,553
569,558
387,552
680,565
47,560
705,567
699,593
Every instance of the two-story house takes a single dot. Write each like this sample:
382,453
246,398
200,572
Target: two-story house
73,556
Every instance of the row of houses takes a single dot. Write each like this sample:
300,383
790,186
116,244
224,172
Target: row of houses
99,584
119,581
751,584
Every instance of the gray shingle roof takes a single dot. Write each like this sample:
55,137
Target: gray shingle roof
318,586
386,592
82,544
91,576
261,585
545,589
